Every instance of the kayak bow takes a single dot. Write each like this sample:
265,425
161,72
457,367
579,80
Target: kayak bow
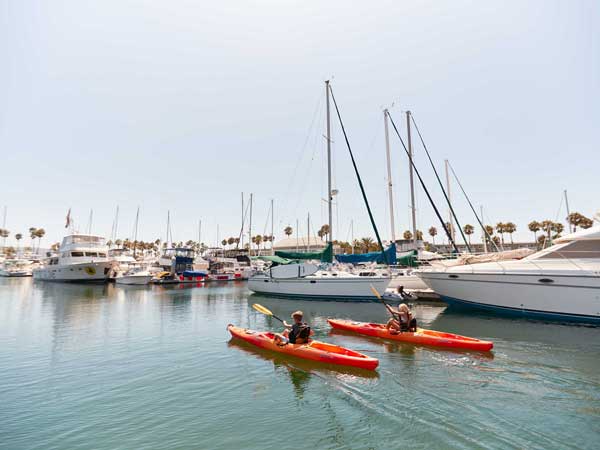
314,350
420,337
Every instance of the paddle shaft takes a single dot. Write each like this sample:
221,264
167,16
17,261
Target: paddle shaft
390,310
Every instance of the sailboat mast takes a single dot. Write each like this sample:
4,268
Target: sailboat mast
243,220
168,225
297,235
137,218
568,212
352,235
329,196
199,234
412,184
308,233
250,228
484,232
450,220
272,223
4,228
389,174
90,221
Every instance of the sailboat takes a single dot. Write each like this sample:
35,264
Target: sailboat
309,281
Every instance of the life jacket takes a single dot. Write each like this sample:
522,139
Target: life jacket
299,331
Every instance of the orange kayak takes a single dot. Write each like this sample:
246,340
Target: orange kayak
421,336
314,350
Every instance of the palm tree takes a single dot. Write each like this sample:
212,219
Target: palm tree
579,220
419,235
469,230
367,243
433,233
534,226
586,223
500,229
231,241
325,230
224,242
510,228
407,235
18,237
39,233
32,235
356,245
288,231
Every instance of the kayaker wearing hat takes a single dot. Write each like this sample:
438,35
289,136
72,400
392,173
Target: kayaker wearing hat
407,321
296,333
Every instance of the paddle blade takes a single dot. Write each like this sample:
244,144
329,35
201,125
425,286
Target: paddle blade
262,309
374,291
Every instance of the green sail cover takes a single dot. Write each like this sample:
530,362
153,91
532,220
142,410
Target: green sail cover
409,260
274,259
326,255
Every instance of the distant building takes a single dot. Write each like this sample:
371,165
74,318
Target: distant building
301,244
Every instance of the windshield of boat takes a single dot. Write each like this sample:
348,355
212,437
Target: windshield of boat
580,249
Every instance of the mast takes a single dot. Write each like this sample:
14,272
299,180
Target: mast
137,218
168,226
412,185
243,220
297,236
485,247
272,224
352,235
329,192
450,220
4,228
568,212
389,173
308,233
90,221
199,235
250,228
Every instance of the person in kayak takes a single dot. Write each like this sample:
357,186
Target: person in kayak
406,320
296,333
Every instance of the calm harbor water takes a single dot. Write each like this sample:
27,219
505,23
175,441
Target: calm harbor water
108,367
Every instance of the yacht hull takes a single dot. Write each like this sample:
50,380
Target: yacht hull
549,296
85,272
339,289
134,280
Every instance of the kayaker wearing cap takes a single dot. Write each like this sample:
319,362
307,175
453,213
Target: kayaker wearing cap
407,321
296,333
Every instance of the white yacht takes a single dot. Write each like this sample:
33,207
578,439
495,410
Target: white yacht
16,267
560,282
80,257
137,274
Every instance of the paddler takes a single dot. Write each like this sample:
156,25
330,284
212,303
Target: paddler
402,320
295,333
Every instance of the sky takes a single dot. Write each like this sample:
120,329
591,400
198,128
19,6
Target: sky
182,105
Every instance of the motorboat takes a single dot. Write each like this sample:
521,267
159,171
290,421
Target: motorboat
560,282
135,275
309,281
80,258
16,267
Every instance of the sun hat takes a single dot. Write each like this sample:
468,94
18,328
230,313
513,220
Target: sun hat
297,313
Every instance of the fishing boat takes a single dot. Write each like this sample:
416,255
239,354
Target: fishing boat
306,280
80,258
561,282
419,337
314,350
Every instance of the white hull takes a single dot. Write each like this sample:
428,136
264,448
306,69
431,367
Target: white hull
412,282
91,271
15,273
137,280
349,289
573,297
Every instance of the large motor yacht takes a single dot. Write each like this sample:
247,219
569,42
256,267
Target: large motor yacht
80,258
560,282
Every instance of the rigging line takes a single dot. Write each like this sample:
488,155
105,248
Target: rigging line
472,209
437,213
242,228
559,208
267,220
360,183
306,139
441,185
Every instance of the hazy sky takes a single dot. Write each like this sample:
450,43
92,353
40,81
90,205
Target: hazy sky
181,105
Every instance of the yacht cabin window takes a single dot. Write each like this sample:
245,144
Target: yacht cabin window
76,254
584,249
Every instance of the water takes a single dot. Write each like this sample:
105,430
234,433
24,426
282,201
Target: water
108,367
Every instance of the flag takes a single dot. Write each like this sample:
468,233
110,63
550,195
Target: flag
68,219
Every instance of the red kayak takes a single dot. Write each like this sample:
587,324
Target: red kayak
421,336
314,350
